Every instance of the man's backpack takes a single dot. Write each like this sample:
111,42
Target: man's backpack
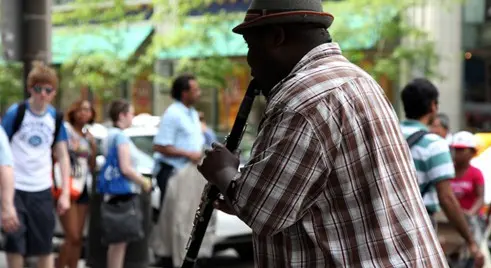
21,111
411,141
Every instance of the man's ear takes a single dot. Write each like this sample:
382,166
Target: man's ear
434,107
278,36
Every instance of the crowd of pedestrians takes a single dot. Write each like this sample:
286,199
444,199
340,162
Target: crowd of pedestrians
48,158
446,179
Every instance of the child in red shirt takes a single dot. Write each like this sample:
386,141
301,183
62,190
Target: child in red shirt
468,185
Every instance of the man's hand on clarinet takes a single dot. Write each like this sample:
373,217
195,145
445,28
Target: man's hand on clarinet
218,163
223,206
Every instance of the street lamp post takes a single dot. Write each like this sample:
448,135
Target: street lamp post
36,34
26,32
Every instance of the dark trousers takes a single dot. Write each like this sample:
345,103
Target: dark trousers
162,179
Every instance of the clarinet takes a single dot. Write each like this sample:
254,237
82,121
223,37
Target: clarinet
211,192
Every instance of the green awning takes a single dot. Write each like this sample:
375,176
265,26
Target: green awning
120,42
359,30
215,40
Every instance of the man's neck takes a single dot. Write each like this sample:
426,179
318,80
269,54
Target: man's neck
78,127
425,120
186,104
37,108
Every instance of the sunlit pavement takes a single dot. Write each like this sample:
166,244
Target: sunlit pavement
224,260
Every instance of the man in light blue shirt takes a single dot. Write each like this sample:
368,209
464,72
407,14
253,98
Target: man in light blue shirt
179,140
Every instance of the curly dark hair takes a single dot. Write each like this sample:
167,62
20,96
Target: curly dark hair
70,114
181,84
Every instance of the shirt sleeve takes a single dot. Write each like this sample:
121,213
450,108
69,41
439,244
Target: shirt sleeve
63,134
6,158
275,188
213,136
121,138
167,129
478,177
439,165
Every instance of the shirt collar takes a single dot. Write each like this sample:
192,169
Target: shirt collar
317,53
415,123
184,108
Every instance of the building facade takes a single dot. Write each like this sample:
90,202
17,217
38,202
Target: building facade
461,36
462,39
476,83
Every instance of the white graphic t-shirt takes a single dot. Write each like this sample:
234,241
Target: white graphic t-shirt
31,147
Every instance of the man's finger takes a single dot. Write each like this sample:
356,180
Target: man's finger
217,145
223,206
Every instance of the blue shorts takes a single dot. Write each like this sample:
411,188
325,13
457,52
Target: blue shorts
37,224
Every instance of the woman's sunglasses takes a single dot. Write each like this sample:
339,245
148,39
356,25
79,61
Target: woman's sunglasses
39,89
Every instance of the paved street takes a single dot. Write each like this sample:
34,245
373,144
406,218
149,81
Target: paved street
227,261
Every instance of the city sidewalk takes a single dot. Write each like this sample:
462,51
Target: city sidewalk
3,262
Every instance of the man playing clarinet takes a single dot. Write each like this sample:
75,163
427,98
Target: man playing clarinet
330,181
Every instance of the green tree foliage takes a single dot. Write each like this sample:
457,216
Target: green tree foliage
397,40
102,71
356,21
11,88
105,70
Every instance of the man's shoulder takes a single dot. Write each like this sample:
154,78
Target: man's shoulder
174,109
53,111
12,110
326,86
434,143
330,73
430,142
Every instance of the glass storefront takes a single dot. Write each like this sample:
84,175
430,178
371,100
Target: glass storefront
476,84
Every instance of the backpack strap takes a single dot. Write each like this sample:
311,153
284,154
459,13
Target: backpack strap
19,116
415,137
58,122
411,141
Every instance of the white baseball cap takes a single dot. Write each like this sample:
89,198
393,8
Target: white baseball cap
464,139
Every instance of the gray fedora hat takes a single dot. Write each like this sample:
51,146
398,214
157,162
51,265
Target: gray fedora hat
267,12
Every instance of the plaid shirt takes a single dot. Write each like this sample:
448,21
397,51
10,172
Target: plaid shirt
330,182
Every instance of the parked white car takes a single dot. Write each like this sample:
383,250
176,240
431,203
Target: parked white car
231,232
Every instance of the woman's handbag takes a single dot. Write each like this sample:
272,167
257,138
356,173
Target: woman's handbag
122,219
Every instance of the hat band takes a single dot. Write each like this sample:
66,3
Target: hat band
253,14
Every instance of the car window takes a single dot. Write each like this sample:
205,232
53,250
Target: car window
98,143
144,143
